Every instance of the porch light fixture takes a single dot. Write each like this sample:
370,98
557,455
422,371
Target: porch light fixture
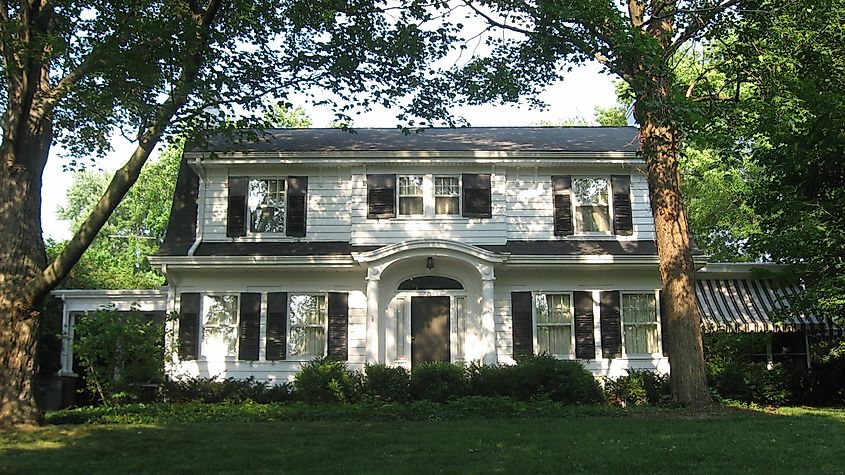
429,263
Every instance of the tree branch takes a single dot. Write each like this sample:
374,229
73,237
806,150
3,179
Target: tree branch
702,18
127,175
87,65
570,36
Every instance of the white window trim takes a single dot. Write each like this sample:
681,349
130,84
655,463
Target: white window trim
571,355
459,214
288,345
399,195
429,199
659,352
203,295
258,235
575,204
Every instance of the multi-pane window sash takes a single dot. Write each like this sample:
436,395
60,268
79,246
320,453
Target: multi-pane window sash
266,203
308,321
411,195
219,326
592,208
447,195
553,321
639,321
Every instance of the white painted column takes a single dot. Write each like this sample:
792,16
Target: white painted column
373,276
488,323
67,341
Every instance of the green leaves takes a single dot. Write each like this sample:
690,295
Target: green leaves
119,352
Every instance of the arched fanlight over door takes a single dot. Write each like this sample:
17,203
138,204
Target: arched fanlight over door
431,282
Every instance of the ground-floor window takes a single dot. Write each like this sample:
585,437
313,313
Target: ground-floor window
219,326
639,321
308,321
553,323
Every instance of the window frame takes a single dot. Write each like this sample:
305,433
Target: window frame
534,325
399,195
576,203
276,234
290,326
460,196
656,323
202,326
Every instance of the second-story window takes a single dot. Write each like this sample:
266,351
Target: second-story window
592,206
447,195
411,195
266,202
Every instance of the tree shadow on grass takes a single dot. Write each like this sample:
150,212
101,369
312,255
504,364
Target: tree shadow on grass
737,441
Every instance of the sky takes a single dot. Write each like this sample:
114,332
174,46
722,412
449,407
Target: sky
584,89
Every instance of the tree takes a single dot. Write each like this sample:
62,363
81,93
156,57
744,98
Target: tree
792,128
533,44
117,258
74,72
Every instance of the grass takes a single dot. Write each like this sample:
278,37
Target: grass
789,440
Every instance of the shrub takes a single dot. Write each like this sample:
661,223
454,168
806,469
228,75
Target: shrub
326,380
824,383
546,377
214,390
487,380
750,383
638,388
386,383
437,381
120,353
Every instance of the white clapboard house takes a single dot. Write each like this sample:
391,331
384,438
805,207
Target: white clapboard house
378,246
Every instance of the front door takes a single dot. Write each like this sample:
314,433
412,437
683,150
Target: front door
429,329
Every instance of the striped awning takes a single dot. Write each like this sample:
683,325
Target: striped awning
754,305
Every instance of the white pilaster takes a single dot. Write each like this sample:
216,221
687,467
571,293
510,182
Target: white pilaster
488,323
67,341
373,276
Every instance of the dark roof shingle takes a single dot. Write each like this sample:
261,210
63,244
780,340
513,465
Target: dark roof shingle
505,139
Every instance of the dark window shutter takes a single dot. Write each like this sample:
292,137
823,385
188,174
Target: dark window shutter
585,343
381,196
523,326
338,325
297,206
248,326
623,220
189,323
236,213
562,199
611,325
477,196
277,325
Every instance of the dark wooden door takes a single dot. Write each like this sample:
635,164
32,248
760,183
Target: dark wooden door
429,329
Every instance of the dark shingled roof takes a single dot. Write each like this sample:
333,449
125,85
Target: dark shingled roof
182,227
506,139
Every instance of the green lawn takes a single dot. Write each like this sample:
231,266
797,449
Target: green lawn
792,440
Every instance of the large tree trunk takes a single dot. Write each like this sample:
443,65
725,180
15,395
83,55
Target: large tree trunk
660,144
22,257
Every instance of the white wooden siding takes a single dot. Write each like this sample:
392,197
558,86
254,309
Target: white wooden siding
337,207
329,207
468,230
278,281
530,210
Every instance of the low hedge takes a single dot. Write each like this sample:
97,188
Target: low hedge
472,407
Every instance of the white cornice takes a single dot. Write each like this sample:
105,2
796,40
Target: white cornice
354,158
251,262
555,260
